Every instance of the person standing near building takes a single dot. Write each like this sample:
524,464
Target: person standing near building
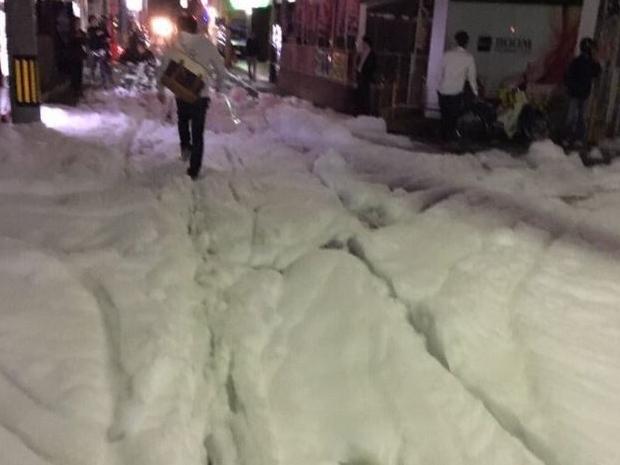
192,116
366,70
458,68
579,76
77,54
99,48
251,55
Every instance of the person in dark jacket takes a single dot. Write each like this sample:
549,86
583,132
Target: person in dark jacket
579,76
77,54
366,70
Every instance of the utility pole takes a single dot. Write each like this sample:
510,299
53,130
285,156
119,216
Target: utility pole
23,63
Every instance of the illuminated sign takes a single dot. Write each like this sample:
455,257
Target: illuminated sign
513,45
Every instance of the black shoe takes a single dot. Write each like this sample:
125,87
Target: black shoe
192,174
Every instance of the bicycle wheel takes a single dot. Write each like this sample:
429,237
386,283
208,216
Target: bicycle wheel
533,125
472,126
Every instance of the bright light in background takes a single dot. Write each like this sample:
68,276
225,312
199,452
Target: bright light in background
77,11
162,27
246,5
184,3
134,5
513,29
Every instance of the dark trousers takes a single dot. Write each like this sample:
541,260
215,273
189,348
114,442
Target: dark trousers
451,107
575,120
191,122
77,77
252,64
363,96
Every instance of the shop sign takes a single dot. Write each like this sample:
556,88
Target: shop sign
521,45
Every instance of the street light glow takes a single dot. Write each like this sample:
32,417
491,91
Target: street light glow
134,5
162,27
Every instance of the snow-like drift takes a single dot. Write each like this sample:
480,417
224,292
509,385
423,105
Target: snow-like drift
314,298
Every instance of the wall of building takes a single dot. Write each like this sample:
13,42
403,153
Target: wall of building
516,40
532,20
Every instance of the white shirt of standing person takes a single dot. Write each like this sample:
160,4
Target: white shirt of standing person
458,67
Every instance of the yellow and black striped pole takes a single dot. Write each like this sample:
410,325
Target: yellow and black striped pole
23,64
26,80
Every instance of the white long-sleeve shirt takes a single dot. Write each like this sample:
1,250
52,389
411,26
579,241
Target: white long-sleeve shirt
202,51
458,66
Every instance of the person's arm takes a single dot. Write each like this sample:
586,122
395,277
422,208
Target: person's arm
165,61
471,76
218,64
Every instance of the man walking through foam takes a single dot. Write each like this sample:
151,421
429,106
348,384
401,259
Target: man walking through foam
193,115
458,67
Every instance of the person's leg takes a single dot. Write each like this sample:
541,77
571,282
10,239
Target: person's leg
455,107
91,63
199,113
572,116
106,72
99,69
80,78
363,97
444,111
580,125
75,80
184,117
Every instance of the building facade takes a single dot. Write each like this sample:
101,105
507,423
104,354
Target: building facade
320,51
516,40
